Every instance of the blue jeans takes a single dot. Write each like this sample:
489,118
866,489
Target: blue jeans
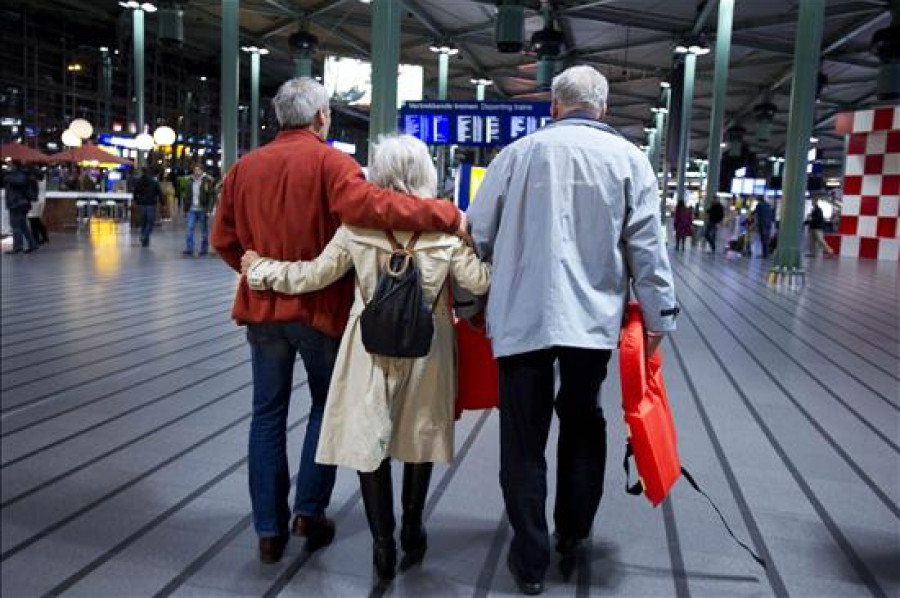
148,219
710,235
200,217
274,349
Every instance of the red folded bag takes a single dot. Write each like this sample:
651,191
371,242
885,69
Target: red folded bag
651,427
478,377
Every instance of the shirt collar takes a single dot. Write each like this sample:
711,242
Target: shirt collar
582,114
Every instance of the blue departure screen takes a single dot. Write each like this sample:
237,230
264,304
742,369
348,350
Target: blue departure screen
472,123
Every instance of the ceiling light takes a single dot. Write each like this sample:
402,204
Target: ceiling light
814,140
104,49
263,51
481,82
203,78
649,130
698,50
681,49
148,7
74,68
665,84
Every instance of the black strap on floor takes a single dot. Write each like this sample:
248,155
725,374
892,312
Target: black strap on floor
637,488
695,486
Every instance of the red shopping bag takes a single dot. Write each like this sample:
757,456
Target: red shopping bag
651,427
478,377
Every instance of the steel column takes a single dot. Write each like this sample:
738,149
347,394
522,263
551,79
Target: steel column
720,86
137,18
663,119
385,64
303,65
443,70
479,91
229,86
254,100
800,122
684,137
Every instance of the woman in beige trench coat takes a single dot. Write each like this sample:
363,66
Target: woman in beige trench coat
380,407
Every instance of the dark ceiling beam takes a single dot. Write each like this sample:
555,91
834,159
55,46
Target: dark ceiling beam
650,41
854,9
783,77
703,16
435,29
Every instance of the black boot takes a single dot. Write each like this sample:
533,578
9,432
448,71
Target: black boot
378,498
413,539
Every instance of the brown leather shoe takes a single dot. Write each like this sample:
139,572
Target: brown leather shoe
318,531
272,549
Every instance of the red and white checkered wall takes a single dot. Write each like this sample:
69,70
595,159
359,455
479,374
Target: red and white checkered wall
870,220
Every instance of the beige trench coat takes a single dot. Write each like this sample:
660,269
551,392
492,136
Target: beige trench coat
379,406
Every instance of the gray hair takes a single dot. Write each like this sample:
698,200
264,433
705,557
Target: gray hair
297,102
402,163
580,85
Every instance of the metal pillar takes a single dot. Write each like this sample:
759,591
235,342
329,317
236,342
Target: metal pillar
303,64
385,61
720,85
254,100
107,91
800,123
443,71
479,91
137,17
684,136
662,126
229,87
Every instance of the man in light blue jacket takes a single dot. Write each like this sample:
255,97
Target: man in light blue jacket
569,217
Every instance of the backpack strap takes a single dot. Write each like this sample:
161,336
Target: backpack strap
395,244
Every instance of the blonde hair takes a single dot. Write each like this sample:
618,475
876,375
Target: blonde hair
402,163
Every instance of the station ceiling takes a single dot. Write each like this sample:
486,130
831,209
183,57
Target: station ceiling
630,41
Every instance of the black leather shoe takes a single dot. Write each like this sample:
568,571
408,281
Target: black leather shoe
529,588
272,549
318,531
568,555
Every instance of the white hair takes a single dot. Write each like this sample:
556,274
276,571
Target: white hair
297,102
583,85
402,163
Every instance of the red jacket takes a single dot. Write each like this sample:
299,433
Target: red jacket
286,200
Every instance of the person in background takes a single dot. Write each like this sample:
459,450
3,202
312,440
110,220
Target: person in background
86,182
21,191
569,218
148,197
816,223
197,202
381,407
684,224
764,216
286,200
714,215
38,230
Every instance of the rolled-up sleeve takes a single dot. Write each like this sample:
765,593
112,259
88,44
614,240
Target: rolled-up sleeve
645,252
294,278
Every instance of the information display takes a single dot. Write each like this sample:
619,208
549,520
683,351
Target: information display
472,123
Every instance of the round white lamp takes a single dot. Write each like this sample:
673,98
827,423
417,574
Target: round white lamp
70,139
164,136
82,128
144,142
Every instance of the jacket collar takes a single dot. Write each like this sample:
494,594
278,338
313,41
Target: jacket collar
288,135
584,118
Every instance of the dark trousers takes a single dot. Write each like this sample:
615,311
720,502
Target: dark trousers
764,233
526,408
148,219
710,235
274,348
18,222
39,231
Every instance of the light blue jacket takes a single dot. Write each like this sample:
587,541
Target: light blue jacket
566,215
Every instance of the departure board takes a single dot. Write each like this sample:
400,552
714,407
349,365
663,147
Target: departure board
472,123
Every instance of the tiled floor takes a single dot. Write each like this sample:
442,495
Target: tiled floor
125,407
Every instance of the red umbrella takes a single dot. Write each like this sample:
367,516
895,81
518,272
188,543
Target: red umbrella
89,153
21,153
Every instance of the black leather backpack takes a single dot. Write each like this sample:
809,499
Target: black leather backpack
397,322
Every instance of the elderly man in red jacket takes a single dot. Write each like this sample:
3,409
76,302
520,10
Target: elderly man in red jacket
286,201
